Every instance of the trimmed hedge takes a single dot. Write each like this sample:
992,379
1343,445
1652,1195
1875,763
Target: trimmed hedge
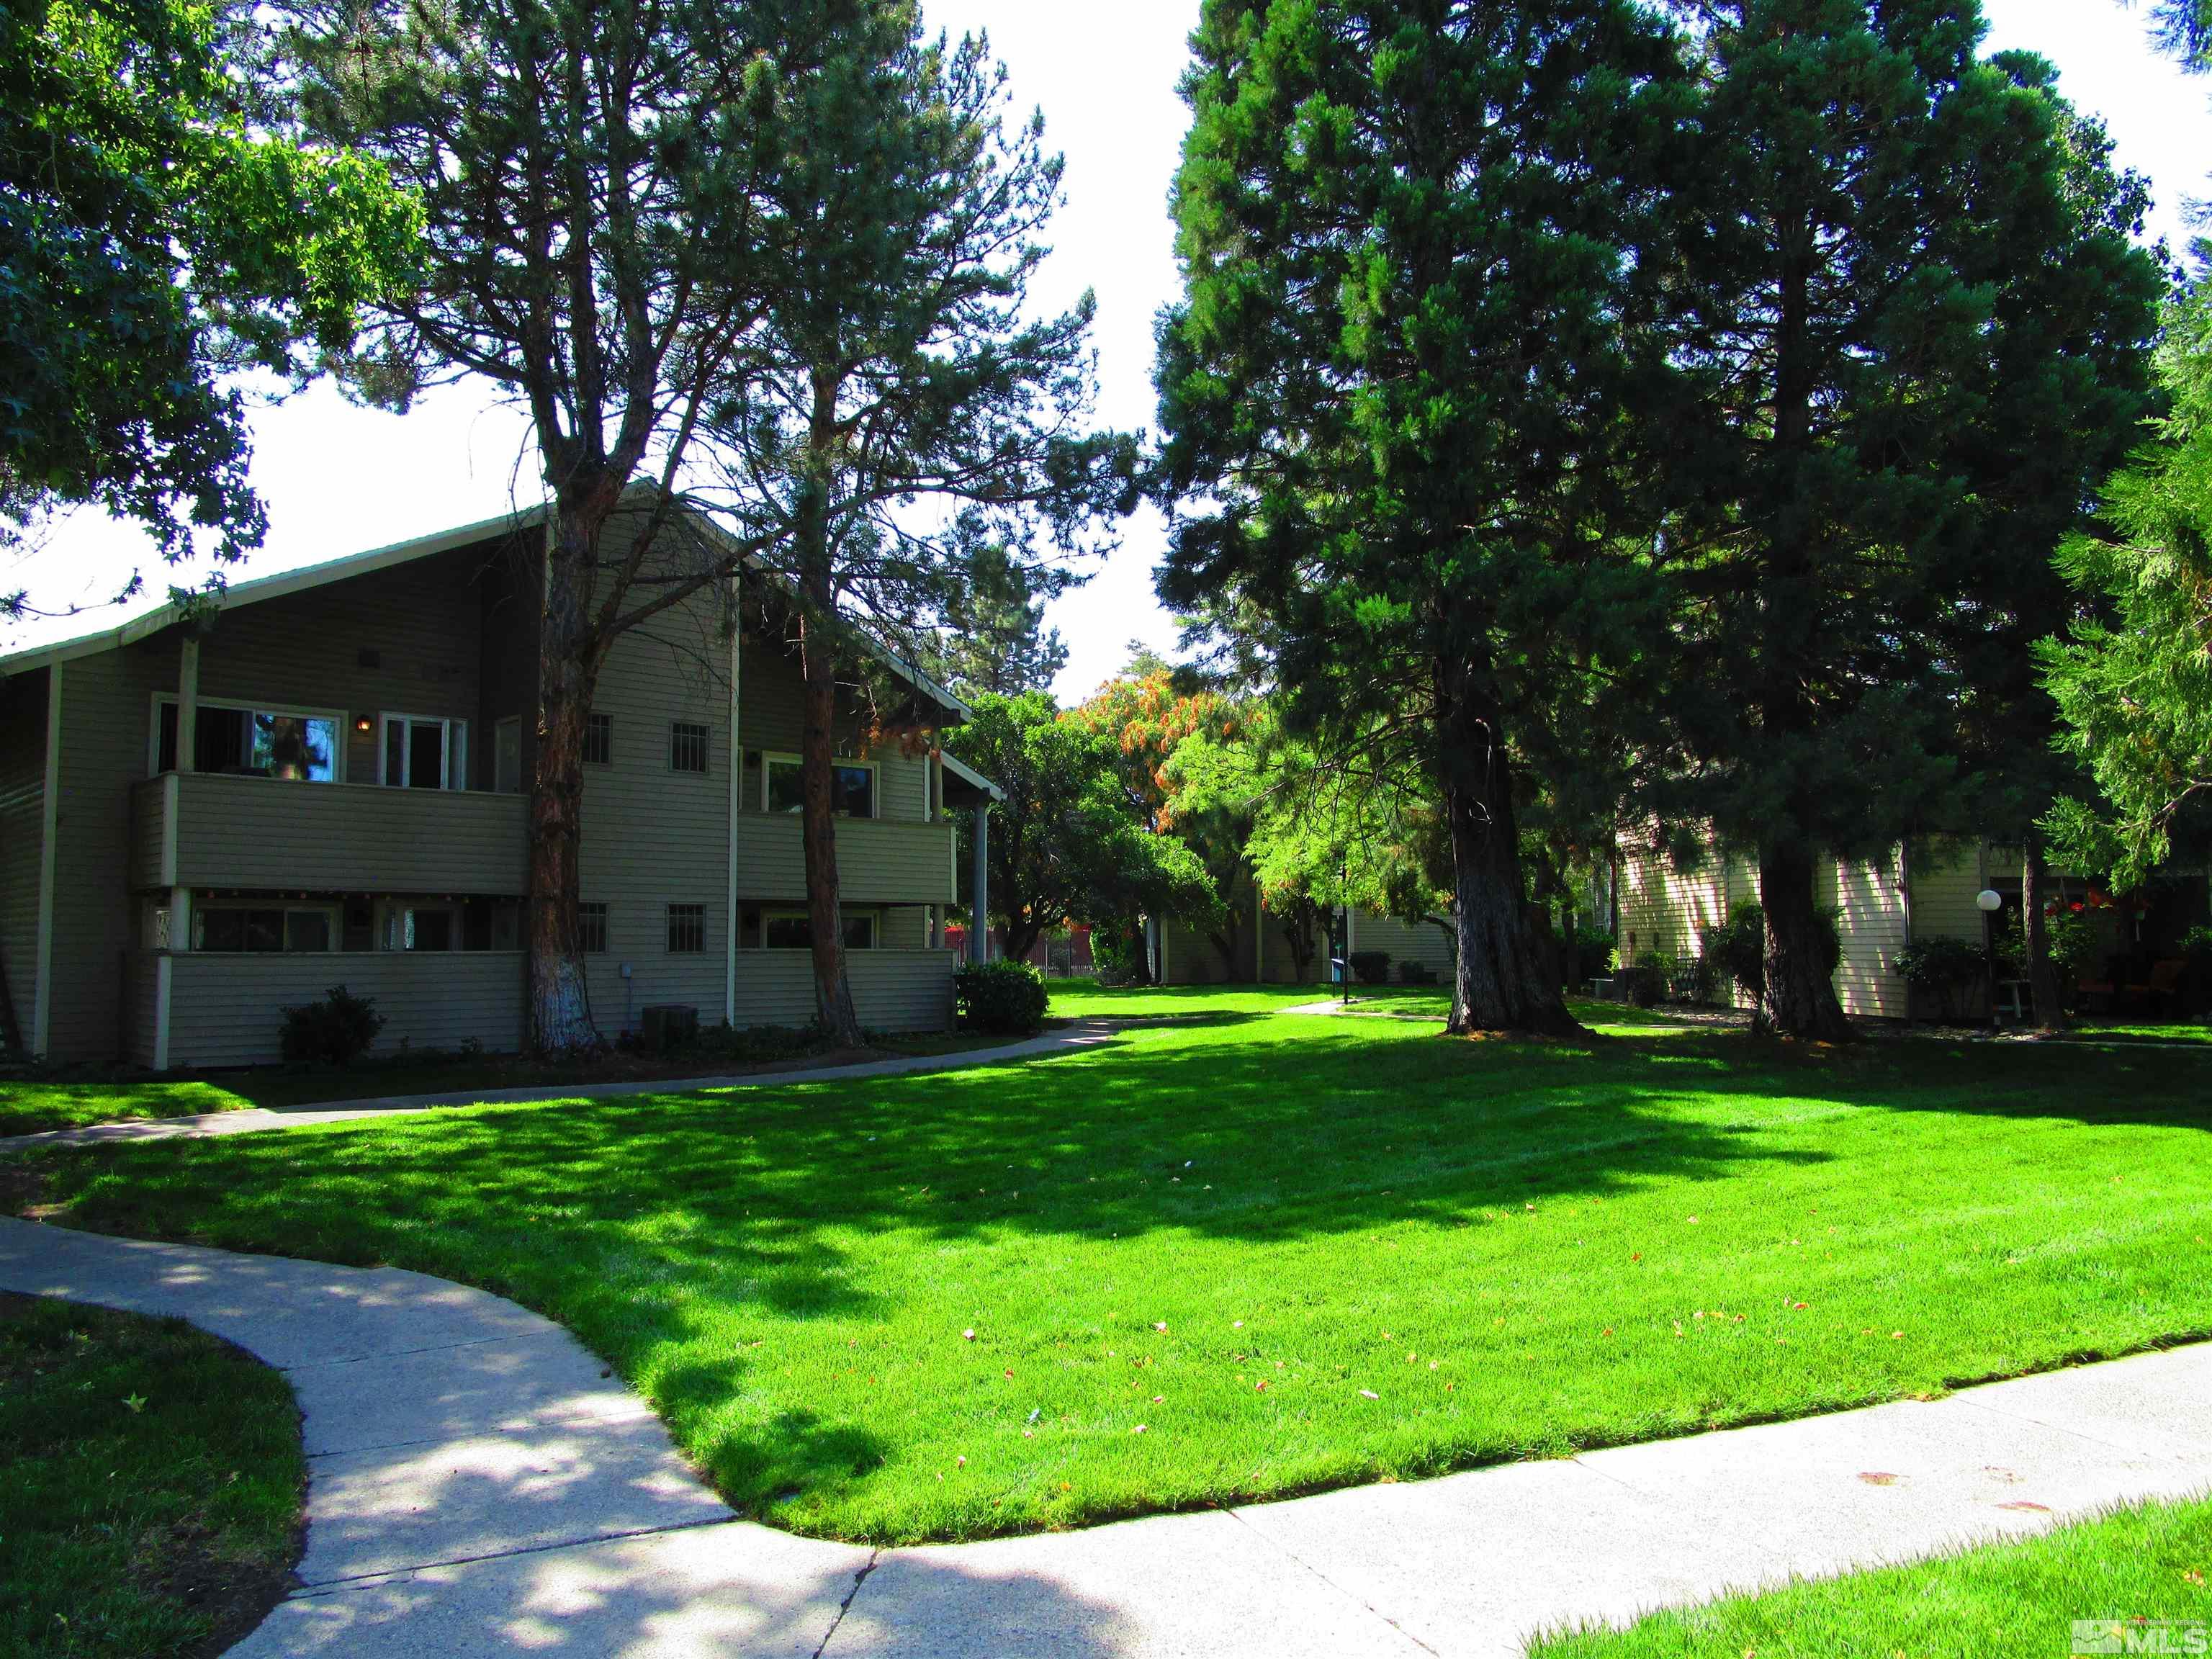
1001,998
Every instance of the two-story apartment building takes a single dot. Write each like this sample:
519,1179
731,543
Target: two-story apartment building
205,821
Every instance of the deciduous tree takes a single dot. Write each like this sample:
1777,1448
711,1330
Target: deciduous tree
156,239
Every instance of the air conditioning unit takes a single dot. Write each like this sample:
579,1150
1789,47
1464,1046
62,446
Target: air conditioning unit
669,1025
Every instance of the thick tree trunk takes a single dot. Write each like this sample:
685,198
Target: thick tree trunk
567,670
1502,982
1801,988
1022,933
2042,972
825,917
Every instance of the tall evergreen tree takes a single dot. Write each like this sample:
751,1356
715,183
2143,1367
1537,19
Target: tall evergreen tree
598,244
2134,678
1868,303
1410,232
2071,372
897,365
990,635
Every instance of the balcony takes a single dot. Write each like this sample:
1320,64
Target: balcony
879,860
203,830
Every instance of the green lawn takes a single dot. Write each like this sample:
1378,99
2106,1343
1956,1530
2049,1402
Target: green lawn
2098,1030
151,1501
28,1105
2146,1564
1086,999
1244,1255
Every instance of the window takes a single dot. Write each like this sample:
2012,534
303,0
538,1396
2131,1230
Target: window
688,744
592,927
789,930
424,753
687,929
599,740
255,743
852,788
411,927
233,928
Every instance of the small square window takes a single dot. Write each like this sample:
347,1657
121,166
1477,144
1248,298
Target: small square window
598,739
687,746
592,927
687,929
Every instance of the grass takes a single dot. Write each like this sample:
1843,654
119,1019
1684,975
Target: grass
1086,999
31,1104
2134,1567
1245,1256
2098,1030
151,1507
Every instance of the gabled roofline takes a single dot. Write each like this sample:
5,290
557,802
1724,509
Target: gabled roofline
307,576
974,780
276,587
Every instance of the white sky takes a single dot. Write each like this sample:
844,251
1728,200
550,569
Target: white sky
339,480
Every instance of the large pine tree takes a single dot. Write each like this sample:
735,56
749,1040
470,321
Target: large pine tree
1399,382
1867,312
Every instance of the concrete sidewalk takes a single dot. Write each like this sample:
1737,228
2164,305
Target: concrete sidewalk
480,1485
1076,1036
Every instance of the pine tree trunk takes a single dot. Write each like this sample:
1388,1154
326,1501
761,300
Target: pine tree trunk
568,667
825,918
1801,989
2042,972
1501,981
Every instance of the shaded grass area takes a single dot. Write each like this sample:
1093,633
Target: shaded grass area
2129,1569
2098,1030
1086,999
1247,1256
150,1507
31,1104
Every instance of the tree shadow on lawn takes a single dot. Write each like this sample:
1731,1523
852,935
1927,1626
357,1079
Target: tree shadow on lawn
1311,1133
649,1226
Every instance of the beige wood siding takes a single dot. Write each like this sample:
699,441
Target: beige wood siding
1669,910
228,1010
879,861
1869,900
254,834
1947,876
106,699
142,980
892,990
22,836
652,837
1423,942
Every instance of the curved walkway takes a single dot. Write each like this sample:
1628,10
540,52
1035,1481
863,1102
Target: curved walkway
1077,1035
480,1484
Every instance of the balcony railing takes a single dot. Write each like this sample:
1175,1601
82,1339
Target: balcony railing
879,860
204,831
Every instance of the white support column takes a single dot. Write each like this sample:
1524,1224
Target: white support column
737,800
979,930
50,824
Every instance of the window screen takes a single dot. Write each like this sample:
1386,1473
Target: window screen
687,929
687,747
599,740
591,920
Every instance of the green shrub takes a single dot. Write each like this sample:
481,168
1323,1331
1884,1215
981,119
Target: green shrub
1595,952
1117,950
1944,969
1003,998
1738,948
1647,981
335,1032
1415,972
1370,966
742,1046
